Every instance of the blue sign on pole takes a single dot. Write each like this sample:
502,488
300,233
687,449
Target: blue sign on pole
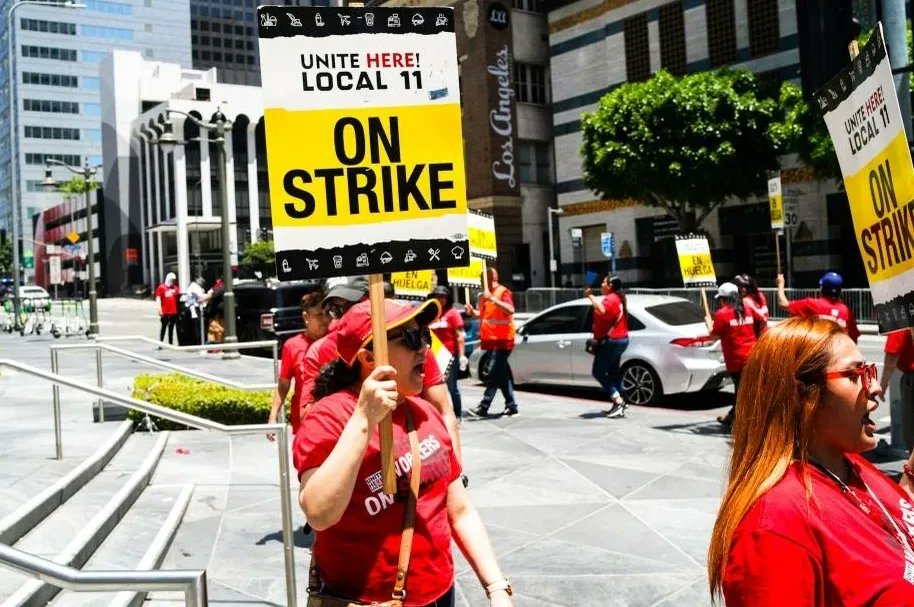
608,244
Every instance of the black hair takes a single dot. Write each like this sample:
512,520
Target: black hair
616,283
311,299
335,376
448,297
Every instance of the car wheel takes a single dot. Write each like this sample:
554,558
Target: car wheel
484,367
640,384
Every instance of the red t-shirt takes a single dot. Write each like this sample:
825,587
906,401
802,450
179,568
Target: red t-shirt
605,325
829,309
290,369
737,336
324,351
446,328
901,344
357,557
168,298
790,551
759,311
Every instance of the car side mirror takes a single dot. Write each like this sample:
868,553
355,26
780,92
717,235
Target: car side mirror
522,332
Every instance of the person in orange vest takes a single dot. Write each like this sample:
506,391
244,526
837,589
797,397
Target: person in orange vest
496,334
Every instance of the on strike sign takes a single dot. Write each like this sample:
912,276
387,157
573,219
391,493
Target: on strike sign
864,121
363,134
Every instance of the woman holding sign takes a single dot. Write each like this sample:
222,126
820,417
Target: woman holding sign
610,334
372,547
805,519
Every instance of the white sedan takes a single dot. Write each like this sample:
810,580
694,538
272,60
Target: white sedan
669,350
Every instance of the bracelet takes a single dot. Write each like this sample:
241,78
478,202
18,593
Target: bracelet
504,584
908,472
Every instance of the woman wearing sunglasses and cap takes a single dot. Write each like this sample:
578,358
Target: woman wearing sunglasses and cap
805,519
372,547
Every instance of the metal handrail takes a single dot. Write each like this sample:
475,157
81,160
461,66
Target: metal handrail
241,345
192,583
179,417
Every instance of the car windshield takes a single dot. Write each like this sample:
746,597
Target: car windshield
676,313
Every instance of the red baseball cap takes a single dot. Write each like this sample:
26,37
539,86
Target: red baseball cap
354,329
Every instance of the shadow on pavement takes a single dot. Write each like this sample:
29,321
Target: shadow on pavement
298,538
693,401
702,428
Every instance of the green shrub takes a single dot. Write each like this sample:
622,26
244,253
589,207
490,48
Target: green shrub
200,398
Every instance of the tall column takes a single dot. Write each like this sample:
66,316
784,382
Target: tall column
230,195
157,275
893,22
206,176
253,196
146,210
168,173
161,248
180,177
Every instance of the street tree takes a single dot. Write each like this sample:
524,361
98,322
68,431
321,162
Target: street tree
686,145
6,256
258,257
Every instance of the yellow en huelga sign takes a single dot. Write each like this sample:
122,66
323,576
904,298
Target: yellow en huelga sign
413,285
776,203
695,262
481,231
468,276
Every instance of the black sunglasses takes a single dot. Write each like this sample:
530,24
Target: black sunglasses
415,339
336,310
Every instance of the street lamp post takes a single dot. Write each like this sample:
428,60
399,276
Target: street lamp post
552,263
218,126
49,184
14,157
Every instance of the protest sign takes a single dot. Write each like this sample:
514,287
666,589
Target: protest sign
357,184
482,236
469,276
776,202
863,118
695,261
442,355
413,285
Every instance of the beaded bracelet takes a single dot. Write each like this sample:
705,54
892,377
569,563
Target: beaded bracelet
908,472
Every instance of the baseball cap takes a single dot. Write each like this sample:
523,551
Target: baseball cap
726,291
352,289
354,329
831,283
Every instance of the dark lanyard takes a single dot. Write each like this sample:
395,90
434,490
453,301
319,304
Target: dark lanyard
880,517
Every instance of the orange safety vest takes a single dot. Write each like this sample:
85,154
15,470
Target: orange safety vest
495,325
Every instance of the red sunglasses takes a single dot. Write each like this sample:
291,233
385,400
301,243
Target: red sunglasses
867,372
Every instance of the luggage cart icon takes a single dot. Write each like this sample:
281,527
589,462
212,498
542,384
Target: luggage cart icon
295,21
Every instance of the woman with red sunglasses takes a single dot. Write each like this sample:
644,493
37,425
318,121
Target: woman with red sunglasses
805,519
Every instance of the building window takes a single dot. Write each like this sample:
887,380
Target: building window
51,27
94,135
49,79
110,33
721,32
90,82
530,83
50,105
533,6
672,39
48,52
92,56
47,132
764,30
637,52
535,164
91,109
112,8
73,160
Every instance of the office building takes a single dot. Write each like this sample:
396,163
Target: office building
57,86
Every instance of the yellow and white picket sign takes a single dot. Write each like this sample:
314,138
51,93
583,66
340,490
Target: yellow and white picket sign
864,121
776,202
695,261
469,276
357,185
413,285
442,355
481,228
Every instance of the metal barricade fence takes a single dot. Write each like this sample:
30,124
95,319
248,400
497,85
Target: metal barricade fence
858,300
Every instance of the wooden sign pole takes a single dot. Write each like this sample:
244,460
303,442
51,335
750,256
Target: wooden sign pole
466,295
777,248
379,341
485,275
704,301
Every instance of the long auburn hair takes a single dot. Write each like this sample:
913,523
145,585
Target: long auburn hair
780,389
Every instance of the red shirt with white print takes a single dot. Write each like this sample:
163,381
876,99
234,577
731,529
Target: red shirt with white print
791,550
168,299
828,308
357,557
290,369
737,336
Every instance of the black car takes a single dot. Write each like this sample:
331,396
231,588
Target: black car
270,310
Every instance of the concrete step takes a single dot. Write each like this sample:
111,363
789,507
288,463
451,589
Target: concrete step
139,542
72,533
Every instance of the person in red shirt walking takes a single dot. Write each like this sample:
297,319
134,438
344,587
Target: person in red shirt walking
735,326
290,368
827,305
610,330
805,519
899,354
364,534
167,295
753,300
449,329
